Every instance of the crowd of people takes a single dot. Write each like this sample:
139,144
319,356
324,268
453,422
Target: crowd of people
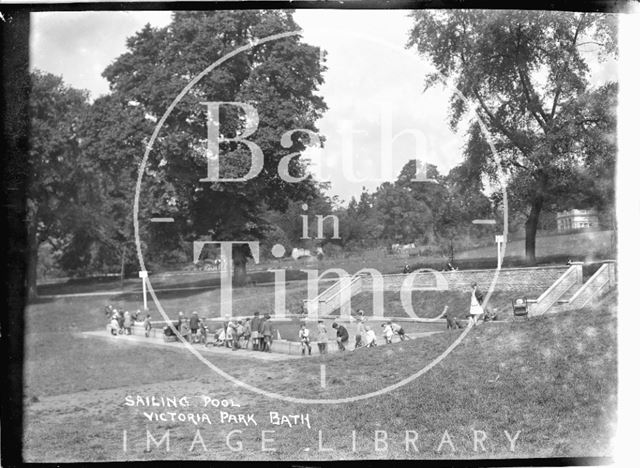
258,332
234,334
120,321
365,335
193,329
240,333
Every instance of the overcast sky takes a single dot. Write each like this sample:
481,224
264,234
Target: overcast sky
371,78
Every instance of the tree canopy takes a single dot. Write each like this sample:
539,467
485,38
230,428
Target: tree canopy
526,74
279,79
435,214
58,195
86,156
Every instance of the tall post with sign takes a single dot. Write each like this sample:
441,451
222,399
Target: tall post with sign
143,275
499,242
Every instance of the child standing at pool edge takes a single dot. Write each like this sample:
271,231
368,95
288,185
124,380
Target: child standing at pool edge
147,326
475,310
342,336
303,334
387,331
322,337
266,329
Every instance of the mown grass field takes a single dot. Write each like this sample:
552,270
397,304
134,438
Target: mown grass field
552,378
588,245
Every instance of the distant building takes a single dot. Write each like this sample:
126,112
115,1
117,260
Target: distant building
577,219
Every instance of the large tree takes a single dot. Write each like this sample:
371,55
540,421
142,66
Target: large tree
361,225
114,135
58,196
405,217
463,201
526,73
278,78
438,212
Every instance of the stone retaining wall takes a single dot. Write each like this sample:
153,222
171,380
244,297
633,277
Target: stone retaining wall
509,279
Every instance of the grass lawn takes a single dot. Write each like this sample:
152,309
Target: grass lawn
169,280
552,378
586,246
593,244
257,273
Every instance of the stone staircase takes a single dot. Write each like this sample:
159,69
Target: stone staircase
566,297
601,283
570,293
338,295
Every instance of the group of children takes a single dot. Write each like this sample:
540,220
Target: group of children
235,334
239,333
121,321
258,331
389,329
342,336
365,335
192,329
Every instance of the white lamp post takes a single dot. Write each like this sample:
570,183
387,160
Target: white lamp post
499,242
144,275
499,238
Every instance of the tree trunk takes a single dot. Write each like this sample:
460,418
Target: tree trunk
531,227
124,256
239,266
32,267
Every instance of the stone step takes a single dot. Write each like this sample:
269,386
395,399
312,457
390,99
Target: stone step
569,294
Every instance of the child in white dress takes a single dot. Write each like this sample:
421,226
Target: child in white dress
387,331
369,337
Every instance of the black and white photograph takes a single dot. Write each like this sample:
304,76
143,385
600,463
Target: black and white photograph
312,232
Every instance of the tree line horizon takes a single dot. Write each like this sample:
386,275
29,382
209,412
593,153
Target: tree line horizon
524,73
